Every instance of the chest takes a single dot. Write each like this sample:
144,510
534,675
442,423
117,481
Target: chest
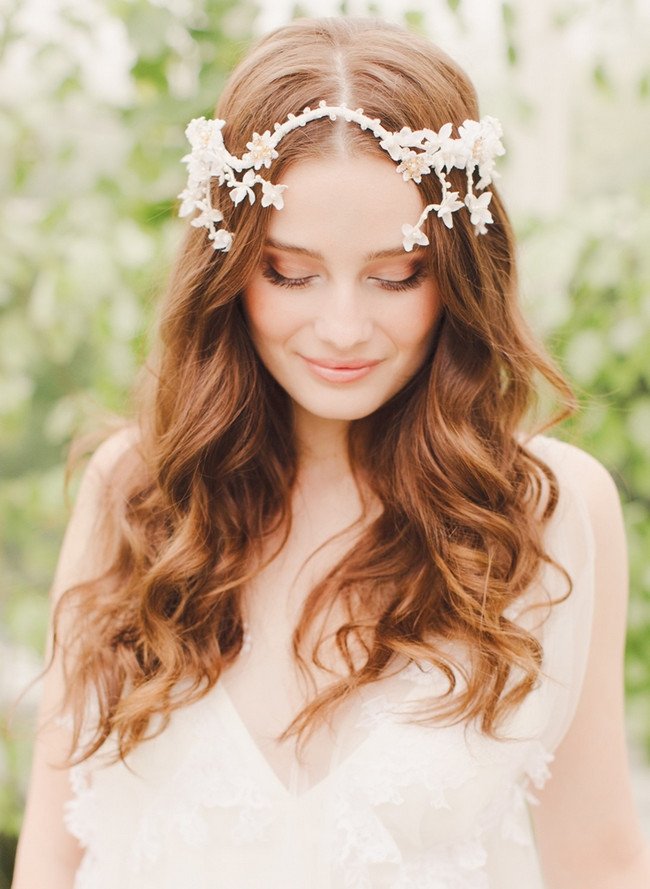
266,685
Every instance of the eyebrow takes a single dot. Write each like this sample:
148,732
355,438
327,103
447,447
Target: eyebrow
304,251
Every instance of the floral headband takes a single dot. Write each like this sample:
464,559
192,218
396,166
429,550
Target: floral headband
419,152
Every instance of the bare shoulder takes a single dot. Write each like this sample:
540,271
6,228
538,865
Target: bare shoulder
89,535
594,485
112,449
584,472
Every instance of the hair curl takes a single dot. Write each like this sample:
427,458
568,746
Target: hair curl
209,476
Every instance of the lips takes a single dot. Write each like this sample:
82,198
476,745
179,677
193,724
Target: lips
342,365
333,371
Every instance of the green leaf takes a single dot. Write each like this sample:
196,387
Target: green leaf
601,78
415,20
508,15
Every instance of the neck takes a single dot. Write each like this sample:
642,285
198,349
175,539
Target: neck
322,448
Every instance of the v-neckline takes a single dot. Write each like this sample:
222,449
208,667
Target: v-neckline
256,753
265,766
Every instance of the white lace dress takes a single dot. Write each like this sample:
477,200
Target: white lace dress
396,806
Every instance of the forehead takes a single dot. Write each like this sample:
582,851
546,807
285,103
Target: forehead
351,206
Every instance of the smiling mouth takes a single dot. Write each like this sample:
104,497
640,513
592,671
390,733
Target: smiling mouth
341,365
338,373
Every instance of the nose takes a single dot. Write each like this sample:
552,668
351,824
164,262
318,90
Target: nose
343,320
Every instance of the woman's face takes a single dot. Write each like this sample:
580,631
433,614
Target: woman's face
335,287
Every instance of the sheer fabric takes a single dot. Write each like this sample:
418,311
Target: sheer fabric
377,803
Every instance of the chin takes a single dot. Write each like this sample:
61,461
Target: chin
340,413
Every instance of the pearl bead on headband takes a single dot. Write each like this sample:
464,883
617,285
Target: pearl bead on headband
419,152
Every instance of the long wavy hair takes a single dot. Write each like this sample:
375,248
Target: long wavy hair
209,474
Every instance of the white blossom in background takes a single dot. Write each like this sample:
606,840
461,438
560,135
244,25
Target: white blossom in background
18,666
101,49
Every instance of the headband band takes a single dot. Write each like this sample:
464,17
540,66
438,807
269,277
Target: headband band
419,152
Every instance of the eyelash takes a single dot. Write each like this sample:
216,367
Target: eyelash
405,284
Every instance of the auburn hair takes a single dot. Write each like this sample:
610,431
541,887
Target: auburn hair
209,474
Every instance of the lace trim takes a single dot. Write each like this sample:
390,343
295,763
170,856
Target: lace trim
80,813
176,809
202,783
403,755
80,817
453,866
86,875
537,773
406,756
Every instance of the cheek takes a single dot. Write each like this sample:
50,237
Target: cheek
414,325
268,315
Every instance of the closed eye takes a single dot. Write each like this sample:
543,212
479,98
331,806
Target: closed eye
409,283
405,283
276,278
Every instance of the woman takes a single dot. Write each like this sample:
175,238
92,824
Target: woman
328,615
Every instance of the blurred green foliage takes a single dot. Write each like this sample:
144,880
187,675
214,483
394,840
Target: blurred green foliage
598,326
94,99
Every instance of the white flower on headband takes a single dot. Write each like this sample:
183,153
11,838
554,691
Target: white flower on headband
394,143
413,235
191,198
208,214
260,151
205,135
447,206
244,188
272,194
451,153
438,141
483,143
418,153
480,215
414,166
222,240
